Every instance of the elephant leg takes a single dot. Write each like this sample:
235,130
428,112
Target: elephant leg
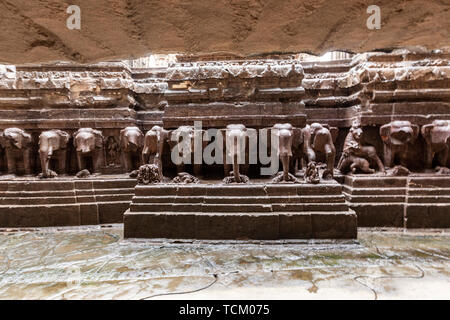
44,163
97,160
27,162
197,169
330,153
285,163
62,162
81,161
388,156
403,157
11,162
237,178
429,156
443,157
371,153
127,161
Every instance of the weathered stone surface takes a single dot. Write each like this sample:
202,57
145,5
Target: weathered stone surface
37,32
239,212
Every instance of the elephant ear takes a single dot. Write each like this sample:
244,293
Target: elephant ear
75,138
385,132
121,138
416,131
426,132
98,138
64,138
26,139
2,140
334,133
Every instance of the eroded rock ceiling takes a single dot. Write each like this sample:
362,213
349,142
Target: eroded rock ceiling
36,31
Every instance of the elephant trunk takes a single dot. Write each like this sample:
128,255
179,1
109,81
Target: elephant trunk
237,178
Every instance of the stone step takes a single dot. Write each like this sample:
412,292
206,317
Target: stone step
237,200
310,207
262,226
374,191
75,192
198,207
430,199
374,198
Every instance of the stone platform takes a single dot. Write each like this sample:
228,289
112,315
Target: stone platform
414,201
62,201
253,211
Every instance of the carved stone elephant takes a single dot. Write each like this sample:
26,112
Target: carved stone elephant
437,137
301,148
236,138
355,155
17,145
322,142
182,146
154,141
286,135
53,144
88,142
131,143
397,137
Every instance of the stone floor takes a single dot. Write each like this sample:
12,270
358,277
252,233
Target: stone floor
96,263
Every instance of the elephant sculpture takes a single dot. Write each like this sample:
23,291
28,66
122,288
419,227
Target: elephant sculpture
53,144
88,143
301,148
437,137
322,139
397,137
153,147
182,145
355,156
131,143
236,142
286,134
17,145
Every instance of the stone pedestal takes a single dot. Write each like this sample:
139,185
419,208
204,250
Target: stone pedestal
415,201
254,211
64,202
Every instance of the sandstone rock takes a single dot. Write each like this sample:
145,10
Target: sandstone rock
116,29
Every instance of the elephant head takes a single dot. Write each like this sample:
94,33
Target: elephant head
87,140
15,138
17,147
437,133
153,146
52,140
399,133
437,137
235,140
49,142
131,139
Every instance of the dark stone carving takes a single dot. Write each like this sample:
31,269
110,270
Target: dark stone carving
397,137
235,142
185,178
53,144
312,173
112,151
149,173
16,143
131,143
183,138
323,146
285,133
355,156
437,137
153,147
88,142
